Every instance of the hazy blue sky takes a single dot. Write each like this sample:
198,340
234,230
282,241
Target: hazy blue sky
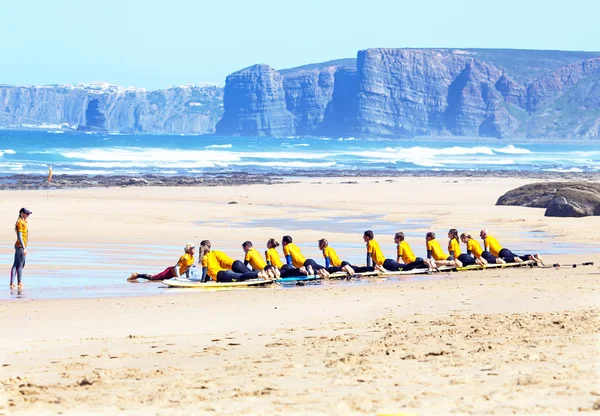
155,44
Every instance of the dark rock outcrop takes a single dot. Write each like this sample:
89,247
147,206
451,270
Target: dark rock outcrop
561,199
255,104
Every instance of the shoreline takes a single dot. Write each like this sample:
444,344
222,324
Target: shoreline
238,178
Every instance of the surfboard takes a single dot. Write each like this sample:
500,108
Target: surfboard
186,283
496,266
390,273
294,279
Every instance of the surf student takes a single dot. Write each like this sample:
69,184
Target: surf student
183,266
254,259
454,249
281,270
294,257
436,255
405,258
22,231
333,264
228,263
505,254
216,266
482,257
374,255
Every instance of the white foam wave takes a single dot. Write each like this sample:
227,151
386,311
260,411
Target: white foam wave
510,149
287,164
301,145
219,146
576,170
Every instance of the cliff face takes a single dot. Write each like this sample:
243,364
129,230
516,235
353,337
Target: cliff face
255,104
412,92
172,110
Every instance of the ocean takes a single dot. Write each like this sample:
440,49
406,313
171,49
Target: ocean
31,152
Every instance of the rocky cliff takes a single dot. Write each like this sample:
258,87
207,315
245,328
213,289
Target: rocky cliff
186,109
440,92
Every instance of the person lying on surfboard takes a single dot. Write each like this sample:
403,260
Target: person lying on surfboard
294,257
254,259
281,270
436,255
482,257
375,256
183,266
505,254
227,262
216,265
333,264
454,250
405,258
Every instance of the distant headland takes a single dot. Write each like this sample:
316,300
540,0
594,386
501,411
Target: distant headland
380,93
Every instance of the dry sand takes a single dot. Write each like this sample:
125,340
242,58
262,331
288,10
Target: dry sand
497,341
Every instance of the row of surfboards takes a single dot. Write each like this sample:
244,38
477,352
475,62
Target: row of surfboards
179,282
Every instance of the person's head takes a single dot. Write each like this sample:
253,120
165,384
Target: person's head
246,245
24,213
399,237
453,233
189,248
465,237
272,243
205,243
204,250
368,236
286,239
483,233
430,236
323,243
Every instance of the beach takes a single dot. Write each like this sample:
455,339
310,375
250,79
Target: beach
80,340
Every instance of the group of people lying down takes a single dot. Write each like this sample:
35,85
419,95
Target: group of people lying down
219,267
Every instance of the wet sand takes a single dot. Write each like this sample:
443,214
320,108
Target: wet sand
495,341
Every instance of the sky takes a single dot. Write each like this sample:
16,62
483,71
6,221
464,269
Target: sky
157,44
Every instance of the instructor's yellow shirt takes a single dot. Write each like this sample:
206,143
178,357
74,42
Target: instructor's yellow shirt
224,260
375,252
406,252
436,250
22,228
492,245
292,249
185,262
253,257
333,257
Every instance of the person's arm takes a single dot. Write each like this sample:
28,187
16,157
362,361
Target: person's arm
469,252
369,260
203,279
452,254
288,259
429,255
246,262
327,262
20,238
268,258
176,270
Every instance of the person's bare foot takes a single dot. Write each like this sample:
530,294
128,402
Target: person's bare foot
458,263
518,260
325,273
271,274
12,286
133,277
303,270
538,259
310,270
500,261
20,286
348,270
380,268
277,272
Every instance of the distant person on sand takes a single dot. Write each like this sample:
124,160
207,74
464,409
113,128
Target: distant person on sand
216,266
405,258
183,266
436,255
22,232
491,244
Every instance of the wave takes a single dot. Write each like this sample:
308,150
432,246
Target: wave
510,149
219,146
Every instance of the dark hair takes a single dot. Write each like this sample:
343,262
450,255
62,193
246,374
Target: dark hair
287,239
467,236
454,233
369,234
431,235
204,250
324,242
205,243
399,235
246,244
271,242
